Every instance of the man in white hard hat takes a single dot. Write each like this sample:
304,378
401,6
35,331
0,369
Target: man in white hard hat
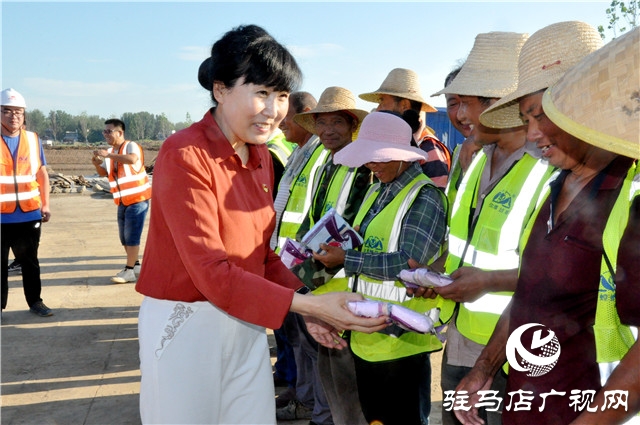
24,200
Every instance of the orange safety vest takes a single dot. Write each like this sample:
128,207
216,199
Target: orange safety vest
129,184
18,184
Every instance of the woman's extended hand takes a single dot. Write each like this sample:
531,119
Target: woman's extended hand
327,316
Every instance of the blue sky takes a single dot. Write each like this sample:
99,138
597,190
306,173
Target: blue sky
108,58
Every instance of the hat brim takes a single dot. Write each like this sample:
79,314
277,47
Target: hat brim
362,151
375,98
306,119
586,134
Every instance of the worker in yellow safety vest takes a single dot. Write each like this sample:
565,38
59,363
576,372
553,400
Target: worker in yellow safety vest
568,249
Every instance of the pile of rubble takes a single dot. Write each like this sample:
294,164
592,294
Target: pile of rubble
77,184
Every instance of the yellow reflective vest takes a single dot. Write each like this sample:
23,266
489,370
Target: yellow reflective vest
300,196
281,148
382,235
491,243
338,191
613,339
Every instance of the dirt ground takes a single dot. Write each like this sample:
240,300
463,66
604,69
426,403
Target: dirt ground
80,366
77,162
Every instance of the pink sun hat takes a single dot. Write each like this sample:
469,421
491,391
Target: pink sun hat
383,137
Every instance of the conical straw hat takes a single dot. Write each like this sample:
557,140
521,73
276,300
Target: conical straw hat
544,58
402,83
332,99
598,100
491,70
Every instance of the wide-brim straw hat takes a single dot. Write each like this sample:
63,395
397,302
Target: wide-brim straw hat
491,69
544,58
383,137
332,99
403,83
598,100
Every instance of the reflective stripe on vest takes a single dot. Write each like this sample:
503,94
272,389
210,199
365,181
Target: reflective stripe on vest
494,242
382,237
613,339
280,148
128,185
300,196
505,255
18,183
338,190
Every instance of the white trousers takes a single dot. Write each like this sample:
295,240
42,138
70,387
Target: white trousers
200,365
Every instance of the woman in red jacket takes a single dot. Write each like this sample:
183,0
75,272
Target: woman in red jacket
210,280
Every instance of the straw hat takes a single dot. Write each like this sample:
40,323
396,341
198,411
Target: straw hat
332,99
383,137
491,70
544,58
598,100
402,83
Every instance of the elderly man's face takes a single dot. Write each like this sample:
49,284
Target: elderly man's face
561,149
292,131
469,115
335,130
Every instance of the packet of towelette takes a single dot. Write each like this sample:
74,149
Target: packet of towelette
423,277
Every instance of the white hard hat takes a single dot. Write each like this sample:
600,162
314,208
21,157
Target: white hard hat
10,97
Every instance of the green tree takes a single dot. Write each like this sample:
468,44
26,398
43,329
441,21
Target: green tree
622,17
163,127
83,123
37,122
61,122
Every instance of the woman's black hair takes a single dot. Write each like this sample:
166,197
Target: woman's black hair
249,51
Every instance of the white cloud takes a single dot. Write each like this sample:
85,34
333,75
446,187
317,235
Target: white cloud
315,50
193,53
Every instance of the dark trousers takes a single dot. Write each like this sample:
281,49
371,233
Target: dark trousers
338,377
390,390
309,389
23,239
285,365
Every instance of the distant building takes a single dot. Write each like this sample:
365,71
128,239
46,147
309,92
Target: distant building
70,137
439,122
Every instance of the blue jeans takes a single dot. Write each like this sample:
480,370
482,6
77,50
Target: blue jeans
131,221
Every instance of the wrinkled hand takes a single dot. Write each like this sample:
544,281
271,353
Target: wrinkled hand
422,291
469,283
325,334
333,257
477,380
